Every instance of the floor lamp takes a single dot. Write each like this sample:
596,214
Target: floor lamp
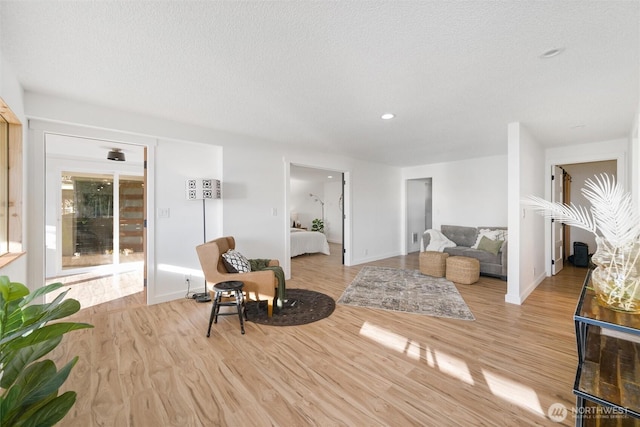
203,189
318,199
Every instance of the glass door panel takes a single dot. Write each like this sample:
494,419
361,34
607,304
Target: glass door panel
87,220
131,219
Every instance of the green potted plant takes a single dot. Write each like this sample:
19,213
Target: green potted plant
29,384
317,225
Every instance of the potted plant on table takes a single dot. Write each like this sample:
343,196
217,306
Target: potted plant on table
615,223
29,384
317,225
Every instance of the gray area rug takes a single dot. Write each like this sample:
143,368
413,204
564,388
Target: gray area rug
405,290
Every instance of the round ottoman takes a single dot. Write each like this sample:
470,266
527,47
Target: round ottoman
433,263
462,269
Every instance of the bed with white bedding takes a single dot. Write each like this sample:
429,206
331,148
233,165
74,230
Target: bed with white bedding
308,242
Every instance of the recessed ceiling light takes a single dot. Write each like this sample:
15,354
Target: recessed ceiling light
552,52
387,116
330,176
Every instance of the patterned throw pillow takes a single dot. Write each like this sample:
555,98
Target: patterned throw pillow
237,261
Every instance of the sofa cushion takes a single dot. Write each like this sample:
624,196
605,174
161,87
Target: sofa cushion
460,235
490,233
483,256
490,245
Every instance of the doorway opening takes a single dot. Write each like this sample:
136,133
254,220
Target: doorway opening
419,211
95,238
567,183
316,195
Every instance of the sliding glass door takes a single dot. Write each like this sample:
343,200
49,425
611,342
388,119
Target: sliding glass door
100,225
131,219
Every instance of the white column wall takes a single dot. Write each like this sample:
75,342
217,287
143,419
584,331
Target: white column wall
526,229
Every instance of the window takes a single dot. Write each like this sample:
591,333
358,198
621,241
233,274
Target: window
10,185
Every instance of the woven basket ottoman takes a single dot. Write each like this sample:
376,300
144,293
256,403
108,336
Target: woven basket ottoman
462,269
433,263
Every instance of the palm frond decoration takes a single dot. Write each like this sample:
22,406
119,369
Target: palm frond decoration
613,210
577,216
615,222
611,214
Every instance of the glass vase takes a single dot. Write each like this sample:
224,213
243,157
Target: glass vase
616,278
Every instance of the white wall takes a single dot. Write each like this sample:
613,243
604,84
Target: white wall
526,229
332,212
305,206
468,192
376,220
255,176
171,251
177,235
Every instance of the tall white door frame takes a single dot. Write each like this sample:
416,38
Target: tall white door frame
36,155
557,195
621,162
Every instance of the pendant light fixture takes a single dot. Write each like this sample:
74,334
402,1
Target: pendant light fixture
116,154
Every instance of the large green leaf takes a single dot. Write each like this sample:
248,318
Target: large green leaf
42,291
9,403
42,334
17,361
66,308
40,379
4,288
49,413
12,291
19,320
39,313
19,412
29,385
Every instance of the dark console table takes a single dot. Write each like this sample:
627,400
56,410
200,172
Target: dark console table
608,371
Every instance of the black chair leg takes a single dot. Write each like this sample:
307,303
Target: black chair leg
213,314
240,305
228,290
217,302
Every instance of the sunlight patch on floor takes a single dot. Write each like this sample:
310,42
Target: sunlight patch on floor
390,340
91,290
514,392
453,366
447,364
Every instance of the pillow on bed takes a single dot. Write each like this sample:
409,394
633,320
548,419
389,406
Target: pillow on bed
235,262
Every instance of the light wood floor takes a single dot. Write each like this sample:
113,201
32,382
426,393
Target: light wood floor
154,366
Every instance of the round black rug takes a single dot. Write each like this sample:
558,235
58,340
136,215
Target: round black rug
301,306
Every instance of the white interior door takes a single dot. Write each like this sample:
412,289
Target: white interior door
556,226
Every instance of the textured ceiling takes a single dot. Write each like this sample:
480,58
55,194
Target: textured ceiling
320,74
